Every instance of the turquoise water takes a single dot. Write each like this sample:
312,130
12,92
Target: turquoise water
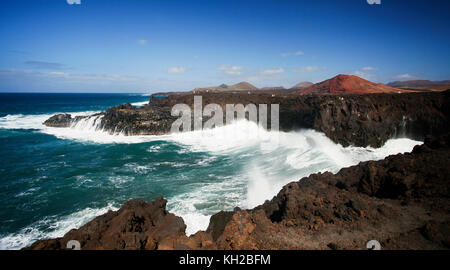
53,179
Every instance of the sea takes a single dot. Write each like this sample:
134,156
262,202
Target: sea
55,179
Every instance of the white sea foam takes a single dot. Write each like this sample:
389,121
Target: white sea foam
154,148
120,181
291,156
306,152
27,192
32,121
88,130
139,104
139,169
203,200
51,227
295,155
228,138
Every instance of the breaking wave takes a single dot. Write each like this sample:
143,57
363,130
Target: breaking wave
270,161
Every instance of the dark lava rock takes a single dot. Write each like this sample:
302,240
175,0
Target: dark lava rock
137,225
348,119
146,120
323,211
59,120
218,222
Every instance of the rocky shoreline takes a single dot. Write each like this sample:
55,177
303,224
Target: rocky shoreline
402,201
348,119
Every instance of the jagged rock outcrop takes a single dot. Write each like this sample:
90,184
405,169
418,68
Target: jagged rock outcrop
359,120
129,120
136,225
59,120
348,119
402,201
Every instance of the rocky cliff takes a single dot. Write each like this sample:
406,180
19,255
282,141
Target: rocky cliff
402,201
348,119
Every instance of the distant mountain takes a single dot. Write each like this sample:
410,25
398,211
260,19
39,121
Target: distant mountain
301,85
413,83
351,84
273,88
242,86
422,85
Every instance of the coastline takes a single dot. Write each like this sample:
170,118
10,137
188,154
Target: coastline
348,119
228,133
401,201
372,191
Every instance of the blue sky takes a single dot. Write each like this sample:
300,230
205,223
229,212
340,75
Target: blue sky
149,46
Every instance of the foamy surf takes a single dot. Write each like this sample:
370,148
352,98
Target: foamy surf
33,121
139,104
86,129
269,161
295,155
51,227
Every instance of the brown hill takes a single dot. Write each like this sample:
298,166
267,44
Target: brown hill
242,86
349,84
422,85
412,83
302,85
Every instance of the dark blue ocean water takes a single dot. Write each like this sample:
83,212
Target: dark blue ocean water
41,103
49,185
53,180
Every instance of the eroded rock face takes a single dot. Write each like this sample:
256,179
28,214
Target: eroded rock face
402,201
137,225
129,120
59,120
352,119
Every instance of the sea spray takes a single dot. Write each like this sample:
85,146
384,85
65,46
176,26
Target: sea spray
199,172
260,187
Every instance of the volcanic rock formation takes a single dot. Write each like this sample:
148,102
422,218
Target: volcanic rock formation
349,84
348,119
402,201
59,120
